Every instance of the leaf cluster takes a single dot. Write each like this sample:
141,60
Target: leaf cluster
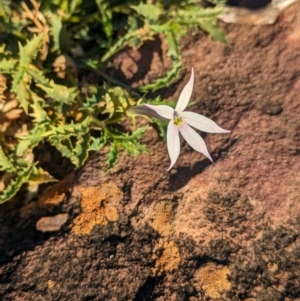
54,85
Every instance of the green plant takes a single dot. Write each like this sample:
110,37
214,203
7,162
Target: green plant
48,50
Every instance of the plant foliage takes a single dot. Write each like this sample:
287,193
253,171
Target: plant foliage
50,49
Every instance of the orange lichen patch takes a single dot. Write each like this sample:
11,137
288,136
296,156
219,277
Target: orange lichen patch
55,194
169,259
99,206
50,284
162,216
213,279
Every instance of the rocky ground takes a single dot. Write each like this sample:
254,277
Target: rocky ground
227,230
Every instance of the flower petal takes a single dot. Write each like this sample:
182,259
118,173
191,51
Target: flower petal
194,140
143,110
185,94
173,142
162,110
201,123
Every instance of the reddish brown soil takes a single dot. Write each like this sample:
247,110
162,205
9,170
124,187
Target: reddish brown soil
222,231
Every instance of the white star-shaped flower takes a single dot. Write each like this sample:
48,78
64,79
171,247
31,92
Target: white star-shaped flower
181,122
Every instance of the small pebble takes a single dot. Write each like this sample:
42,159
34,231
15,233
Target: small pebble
51,223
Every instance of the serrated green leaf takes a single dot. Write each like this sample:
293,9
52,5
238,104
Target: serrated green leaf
158,101
70,129
148,11
97,143
116,101
166,80
5,164
77,151
131,143
214,31
39,114
113,155
136,135
173,50
194,15
30,50
81,149
17,78
74,5
7,66
40,176
64,145
61,37
106,18
14,186
5,10
38,76
60,93
56,26
121,43
28,142
159,28
22,95
133,148
23,57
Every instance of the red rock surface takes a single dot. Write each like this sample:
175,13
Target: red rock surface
222,231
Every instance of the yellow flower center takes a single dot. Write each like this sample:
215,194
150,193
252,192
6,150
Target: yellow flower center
177,120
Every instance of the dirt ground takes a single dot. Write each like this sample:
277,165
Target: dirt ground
227,230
